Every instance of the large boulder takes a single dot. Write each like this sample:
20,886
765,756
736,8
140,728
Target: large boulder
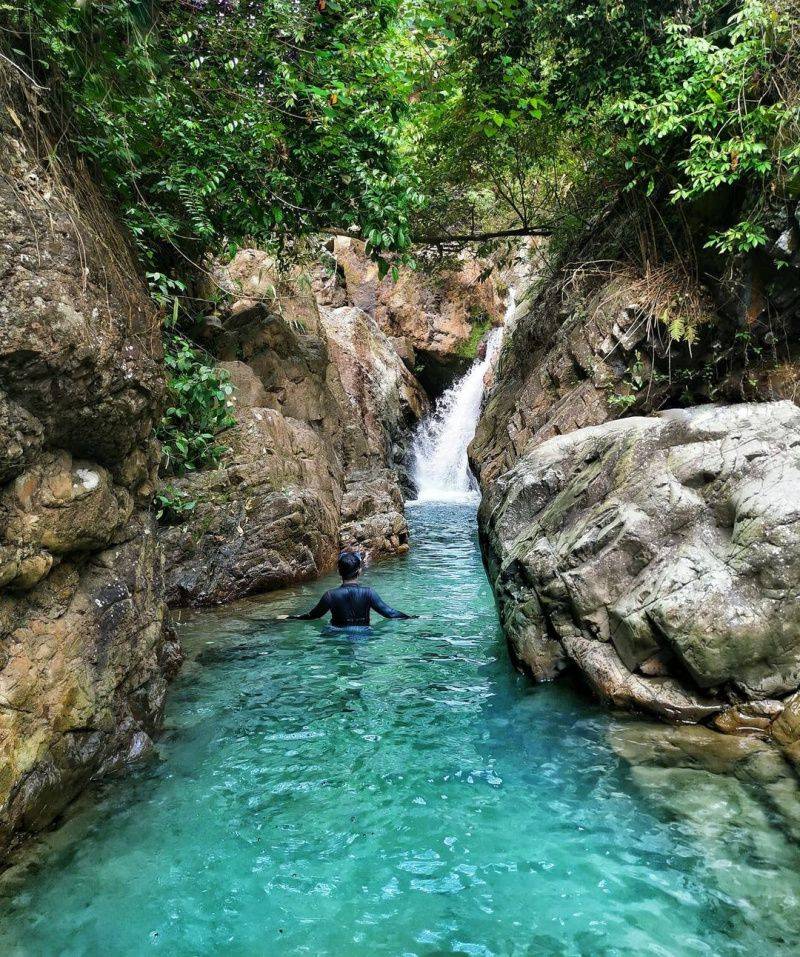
660,557
79,339
85,654
268,517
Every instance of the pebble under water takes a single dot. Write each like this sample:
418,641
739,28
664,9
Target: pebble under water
402,793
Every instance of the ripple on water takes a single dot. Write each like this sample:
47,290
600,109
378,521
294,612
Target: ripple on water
407,794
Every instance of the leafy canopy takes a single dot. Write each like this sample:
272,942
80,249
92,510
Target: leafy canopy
215,121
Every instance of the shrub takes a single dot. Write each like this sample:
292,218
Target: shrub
199,409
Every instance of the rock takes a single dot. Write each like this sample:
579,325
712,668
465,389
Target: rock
248,389
64,506
657,753
697,748
372,514
786,729
22,568
22,438
324,409
675,536
267,518
79,342
563,360
749,718
84,654
441,314
607,676
83,671
383,400
360,273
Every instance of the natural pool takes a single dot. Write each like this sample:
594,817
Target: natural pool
408,793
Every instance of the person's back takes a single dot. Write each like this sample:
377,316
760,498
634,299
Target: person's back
350,604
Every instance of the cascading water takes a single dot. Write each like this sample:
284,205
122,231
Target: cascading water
440,468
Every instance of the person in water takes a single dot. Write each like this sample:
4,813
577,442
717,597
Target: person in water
350,603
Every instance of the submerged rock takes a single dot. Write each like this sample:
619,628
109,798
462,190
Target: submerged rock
660,557
674,765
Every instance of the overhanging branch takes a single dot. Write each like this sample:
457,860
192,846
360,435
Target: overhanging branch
443,238
481,237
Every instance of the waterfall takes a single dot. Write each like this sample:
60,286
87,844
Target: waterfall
439,466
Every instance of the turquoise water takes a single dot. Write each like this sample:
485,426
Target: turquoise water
406,793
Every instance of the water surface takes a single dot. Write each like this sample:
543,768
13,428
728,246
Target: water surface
405,793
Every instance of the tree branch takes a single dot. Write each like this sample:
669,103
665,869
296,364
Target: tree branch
481,237
443,238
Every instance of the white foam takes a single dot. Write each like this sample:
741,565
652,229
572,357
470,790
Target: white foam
439,466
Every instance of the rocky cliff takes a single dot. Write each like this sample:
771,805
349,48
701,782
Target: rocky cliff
324,408
83,650
655,554
591,339
435,316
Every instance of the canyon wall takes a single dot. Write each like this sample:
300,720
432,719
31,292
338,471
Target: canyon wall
324,407
84,654
640,519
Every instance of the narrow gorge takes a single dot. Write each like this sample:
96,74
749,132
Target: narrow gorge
502,299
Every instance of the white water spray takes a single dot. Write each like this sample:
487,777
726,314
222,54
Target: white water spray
440,468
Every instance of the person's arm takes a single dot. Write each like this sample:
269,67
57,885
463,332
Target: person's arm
321,607
379,605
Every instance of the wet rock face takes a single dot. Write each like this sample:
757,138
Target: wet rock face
79,344
84,654
661,557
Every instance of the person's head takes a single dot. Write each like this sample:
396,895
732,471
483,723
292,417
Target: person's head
349,565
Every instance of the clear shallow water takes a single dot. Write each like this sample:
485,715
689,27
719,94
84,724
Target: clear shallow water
407,793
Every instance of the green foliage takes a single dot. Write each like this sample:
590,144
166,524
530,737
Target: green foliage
198,395
544,110
632,382
173,505
218,121
713,115
513,130
481,324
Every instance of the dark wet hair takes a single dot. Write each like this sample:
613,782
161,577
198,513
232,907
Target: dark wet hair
349,564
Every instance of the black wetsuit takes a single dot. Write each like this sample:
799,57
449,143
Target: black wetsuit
349,605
